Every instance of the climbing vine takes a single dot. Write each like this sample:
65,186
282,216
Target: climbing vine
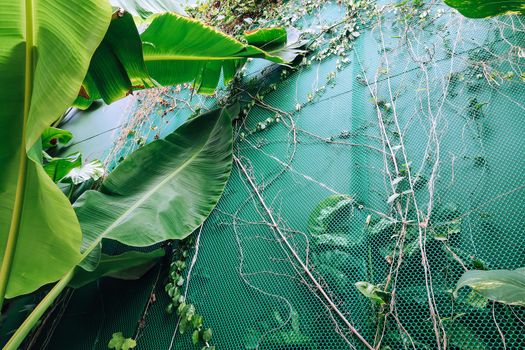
188,318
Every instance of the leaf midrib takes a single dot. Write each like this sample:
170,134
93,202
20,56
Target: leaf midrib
99,238
174,57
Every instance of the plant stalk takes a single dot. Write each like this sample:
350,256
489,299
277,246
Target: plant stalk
21,333
31,321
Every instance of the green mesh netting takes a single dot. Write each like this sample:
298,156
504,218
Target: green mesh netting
396,160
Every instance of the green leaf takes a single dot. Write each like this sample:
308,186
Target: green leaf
118,342
487,8
179,49
207,334
197,321
145,8
476,300
57,168
190,312
267,39
181,309
279,340
41,236
130,265
336,277
117,67
503,286
52,136
284,43
93,170
183,325
128,344
328,213
195,337
335,241
295,321
373,293
164,190
172,50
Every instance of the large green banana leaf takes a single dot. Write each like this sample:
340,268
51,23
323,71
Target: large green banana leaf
117,67
164,190
145,8
178,49
45,50
172,50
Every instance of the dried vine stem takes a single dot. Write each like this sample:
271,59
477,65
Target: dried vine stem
276,228
193,260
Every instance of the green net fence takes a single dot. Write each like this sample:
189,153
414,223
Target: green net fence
391,158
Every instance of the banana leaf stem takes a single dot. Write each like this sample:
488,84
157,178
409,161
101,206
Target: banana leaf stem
31,321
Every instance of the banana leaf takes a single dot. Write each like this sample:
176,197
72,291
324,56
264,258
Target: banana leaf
117,67
178,49
45,50
172,50
146,8
51,137
284,43
164,190
57,168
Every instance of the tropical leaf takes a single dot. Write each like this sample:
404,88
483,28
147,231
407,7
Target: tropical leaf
336,278
93,170
117,67
503,286
40,235
284,43
267,39
53,136
145,8
487,8
57,168
164,190
172,50
130,265
179,49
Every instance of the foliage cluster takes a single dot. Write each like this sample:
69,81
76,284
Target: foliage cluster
99,54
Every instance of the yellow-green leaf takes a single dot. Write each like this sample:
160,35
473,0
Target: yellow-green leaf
178,49
164,190
45,50
503,286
